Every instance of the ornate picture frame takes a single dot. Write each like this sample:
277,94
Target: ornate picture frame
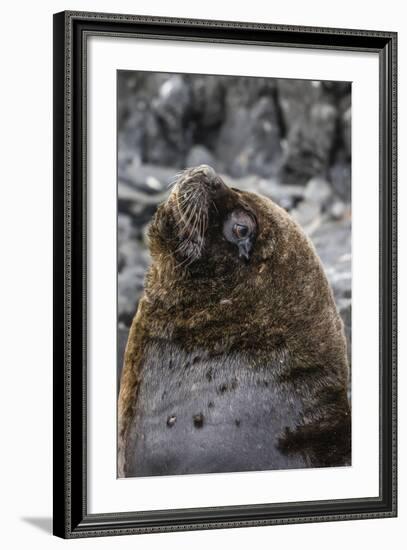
72,518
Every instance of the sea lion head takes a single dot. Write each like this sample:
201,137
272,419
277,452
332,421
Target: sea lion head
206,225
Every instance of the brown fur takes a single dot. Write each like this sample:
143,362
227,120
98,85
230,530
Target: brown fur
277,304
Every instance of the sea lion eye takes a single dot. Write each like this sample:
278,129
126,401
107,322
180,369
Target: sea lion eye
239,228
241,231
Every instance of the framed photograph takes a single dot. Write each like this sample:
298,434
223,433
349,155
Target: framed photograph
224,274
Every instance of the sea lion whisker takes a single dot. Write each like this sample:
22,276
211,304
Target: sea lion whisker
190,195
183,215
198,239
185,196
175,178
185,199
187,261
197,219
187,223
201,226
190,218
204,228
186,242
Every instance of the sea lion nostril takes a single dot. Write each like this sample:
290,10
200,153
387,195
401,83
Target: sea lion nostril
211,180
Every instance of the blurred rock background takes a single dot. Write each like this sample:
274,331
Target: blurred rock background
286,139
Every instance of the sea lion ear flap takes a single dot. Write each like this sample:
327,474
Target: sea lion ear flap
245,248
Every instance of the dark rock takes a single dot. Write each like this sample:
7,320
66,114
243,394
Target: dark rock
126,155
125,229
139,197
318,190
336,90
309,144
130,285
263,148
338,210
295,98
307,214
168,136
346,121
249,140
199,154
208,105
241,121
129,203
147,178
286,196
130,253
333,243
126,235
309,117
134,131
135,86
244,91
232,139
340,176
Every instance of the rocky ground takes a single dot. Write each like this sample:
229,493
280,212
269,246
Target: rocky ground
286,139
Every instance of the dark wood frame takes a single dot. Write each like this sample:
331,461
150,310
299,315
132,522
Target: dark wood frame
71,518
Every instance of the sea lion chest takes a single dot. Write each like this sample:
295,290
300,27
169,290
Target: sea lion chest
197,413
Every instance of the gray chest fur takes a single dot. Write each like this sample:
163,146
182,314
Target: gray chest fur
197,414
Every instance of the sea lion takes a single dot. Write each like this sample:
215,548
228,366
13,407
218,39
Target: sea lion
236,358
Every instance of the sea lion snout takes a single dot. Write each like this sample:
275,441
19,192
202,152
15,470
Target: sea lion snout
208,171
202,178
211,180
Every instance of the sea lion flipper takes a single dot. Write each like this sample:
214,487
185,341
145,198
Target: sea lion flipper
129,386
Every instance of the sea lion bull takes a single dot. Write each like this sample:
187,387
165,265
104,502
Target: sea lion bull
236,358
